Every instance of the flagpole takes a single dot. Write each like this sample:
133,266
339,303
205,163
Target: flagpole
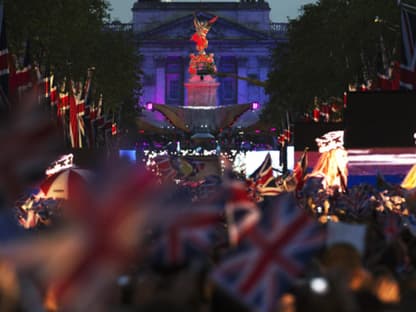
283,152
66,125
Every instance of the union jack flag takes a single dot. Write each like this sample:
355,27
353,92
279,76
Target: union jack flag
76,123
107,226
241,211
300,169
272,256
188,234
262,180
30,142
408,28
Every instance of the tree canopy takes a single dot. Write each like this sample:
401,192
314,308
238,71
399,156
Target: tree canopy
331,44
70,36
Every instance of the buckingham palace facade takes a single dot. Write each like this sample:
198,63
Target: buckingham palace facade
242,40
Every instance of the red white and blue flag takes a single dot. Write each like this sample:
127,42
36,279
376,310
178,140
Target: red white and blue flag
188,234
262,180
102,238
76,123
273,254
408,64
30,142
242,213
53,92
300,170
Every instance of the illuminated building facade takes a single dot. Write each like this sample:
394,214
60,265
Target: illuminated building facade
242,40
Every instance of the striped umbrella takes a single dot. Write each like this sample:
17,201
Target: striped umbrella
64,184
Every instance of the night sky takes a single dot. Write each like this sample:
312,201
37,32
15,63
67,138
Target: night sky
281,9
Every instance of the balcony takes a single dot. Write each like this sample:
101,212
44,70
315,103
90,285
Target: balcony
118,26
279,30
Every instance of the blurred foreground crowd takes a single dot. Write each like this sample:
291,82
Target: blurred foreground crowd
120,240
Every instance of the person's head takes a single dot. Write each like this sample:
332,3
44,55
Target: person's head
344,260
343,256
324,293
385,286
181,286
9,288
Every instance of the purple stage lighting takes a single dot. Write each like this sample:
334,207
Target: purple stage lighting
149,106
255,105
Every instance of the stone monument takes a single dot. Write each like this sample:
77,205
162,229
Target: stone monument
202,87
203,118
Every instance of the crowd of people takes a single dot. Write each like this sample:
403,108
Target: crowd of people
126,242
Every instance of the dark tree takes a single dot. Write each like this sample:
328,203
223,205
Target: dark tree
70,36
331,44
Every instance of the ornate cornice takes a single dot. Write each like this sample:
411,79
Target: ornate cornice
200,6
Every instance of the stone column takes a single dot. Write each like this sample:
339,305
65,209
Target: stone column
242,89
160,89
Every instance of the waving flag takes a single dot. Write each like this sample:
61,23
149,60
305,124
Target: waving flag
76,123
300,169
19,82
30,142
94,120
62,108
89,115
53,92
22,80
44,88
271,257
408,64
262,180
188,233
107,228
390,79
242,213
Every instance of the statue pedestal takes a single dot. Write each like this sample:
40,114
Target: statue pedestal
202,92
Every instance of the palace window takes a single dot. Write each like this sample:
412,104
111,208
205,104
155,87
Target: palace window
228,85
173,88
174,81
